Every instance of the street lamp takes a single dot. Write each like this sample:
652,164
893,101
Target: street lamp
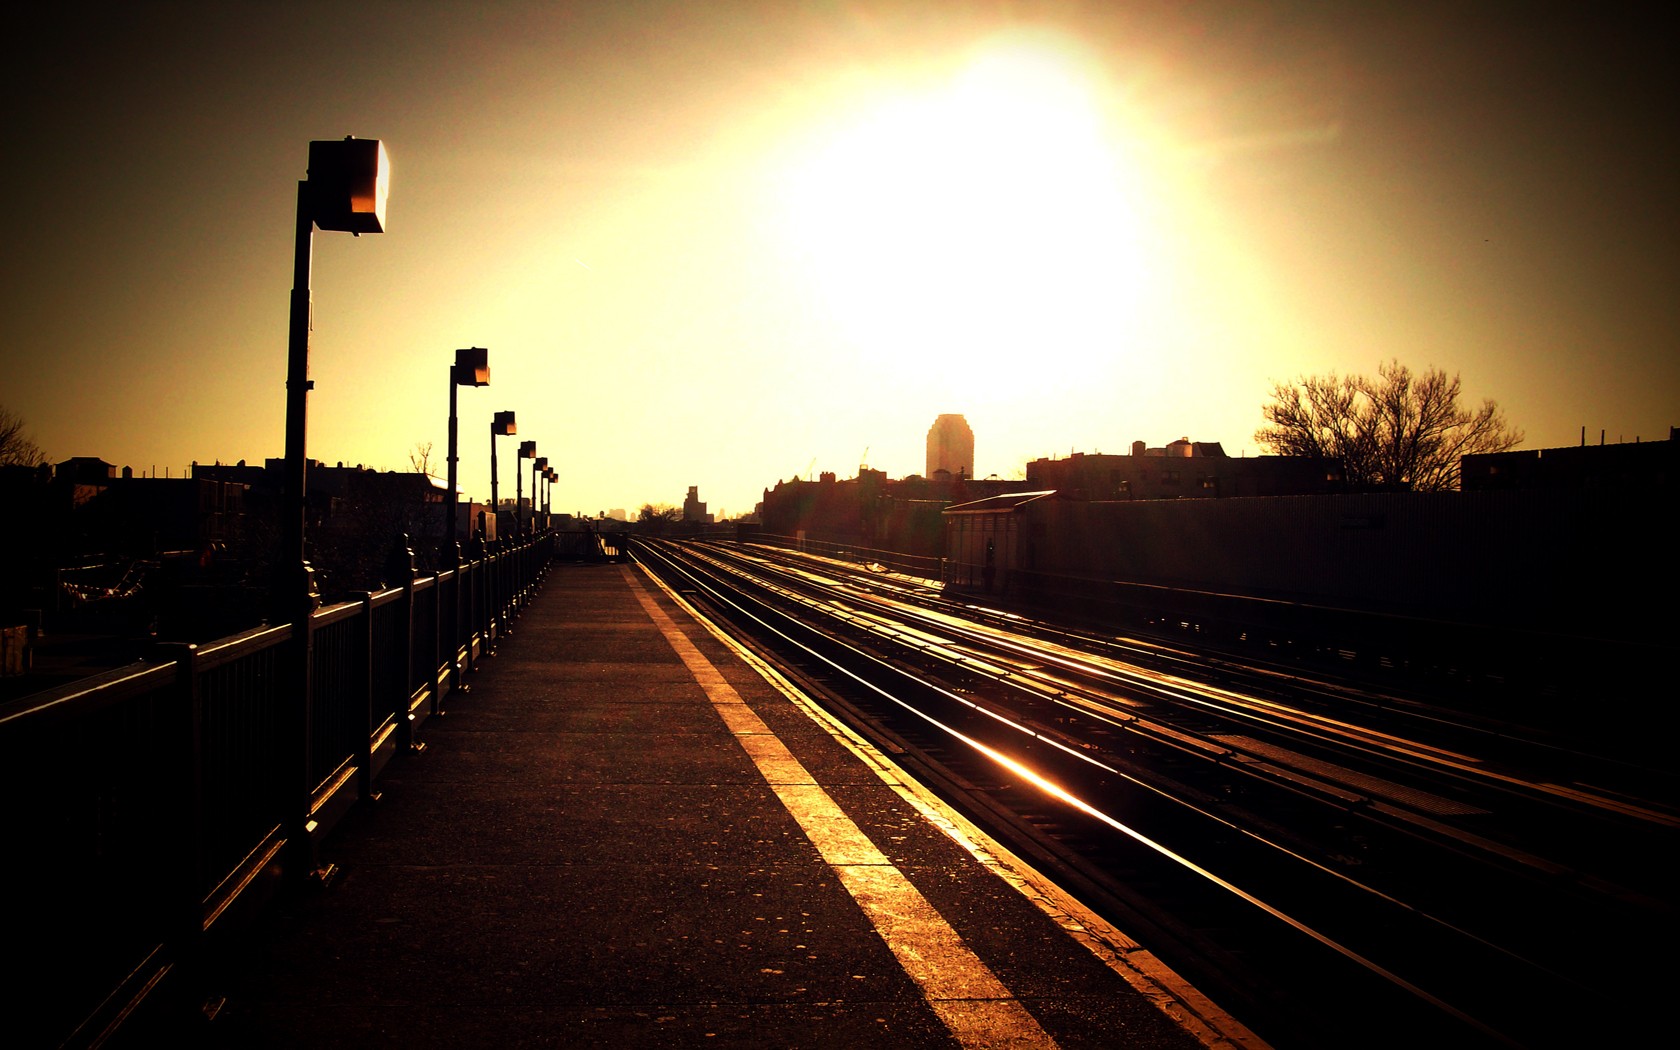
548,490
471,368
345,190
527,450
501,425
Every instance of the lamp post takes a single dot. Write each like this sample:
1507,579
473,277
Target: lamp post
501,425
538,466
548,489
471,368
345,190
527,450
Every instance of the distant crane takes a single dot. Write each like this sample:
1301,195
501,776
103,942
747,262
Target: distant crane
810,467
863,464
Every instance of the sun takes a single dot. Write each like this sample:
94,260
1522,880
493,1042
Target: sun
953,227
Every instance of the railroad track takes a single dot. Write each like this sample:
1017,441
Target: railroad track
1329,862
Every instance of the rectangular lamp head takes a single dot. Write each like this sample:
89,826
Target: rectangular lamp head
349,180
472,366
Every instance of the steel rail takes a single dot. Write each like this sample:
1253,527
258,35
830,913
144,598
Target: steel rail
878,666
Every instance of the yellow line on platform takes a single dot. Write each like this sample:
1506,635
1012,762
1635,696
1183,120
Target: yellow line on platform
962,990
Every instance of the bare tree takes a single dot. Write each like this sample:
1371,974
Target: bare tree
1397,431
16,450
420,457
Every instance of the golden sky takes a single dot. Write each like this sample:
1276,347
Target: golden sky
724,244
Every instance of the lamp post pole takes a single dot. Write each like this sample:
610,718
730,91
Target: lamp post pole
538,466
527,450
450,553
345,190
502,425
471,368
294,588
535,506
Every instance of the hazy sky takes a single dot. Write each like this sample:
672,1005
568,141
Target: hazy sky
724,244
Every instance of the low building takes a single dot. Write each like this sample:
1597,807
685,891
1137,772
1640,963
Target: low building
872,510
1183,469
983,542
1638,466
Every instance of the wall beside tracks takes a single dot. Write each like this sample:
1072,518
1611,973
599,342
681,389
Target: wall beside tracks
1553,563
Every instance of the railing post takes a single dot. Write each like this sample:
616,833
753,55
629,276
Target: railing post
524,568
474,576
365,790
448,629
186,905
435,681
504,596
510,585
460,645
487,605
460,629
299,823
399,572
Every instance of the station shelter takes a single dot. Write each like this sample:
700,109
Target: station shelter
984,545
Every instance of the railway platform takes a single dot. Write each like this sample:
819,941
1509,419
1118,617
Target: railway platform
630,833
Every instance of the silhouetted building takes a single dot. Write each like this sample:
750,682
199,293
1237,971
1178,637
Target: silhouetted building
694,508
1639,466
1182,469
78,481
148,516
872,510
353,516
950,447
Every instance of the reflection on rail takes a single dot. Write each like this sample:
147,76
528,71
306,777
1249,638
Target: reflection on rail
1325,848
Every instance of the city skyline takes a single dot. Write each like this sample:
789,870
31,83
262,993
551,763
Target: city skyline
731,244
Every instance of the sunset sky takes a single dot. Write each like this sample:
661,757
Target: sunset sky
725,244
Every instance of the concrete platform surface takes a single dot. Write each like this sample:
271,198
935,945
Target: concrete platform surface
624,834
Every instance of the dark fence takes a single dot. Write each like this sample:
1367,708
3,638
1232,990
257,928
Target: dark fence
156,808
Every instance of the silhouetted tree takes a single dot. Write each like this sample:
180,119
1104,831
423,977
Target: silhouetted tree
657,518
420,457
1397,431
16,450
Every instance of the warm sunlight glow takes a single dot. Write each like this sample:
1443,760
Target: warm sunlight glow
953,229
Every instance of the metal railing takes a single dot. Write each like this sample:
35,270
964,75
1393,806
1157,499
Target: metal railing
156,808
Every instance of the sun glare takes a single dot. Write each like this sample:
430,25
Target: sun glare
952,230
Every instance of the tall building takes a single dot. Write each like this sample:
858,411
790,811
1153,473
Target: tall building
950,446
694,508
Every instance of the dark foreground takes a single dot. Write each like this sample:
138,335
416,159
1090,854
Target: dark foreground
606,843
